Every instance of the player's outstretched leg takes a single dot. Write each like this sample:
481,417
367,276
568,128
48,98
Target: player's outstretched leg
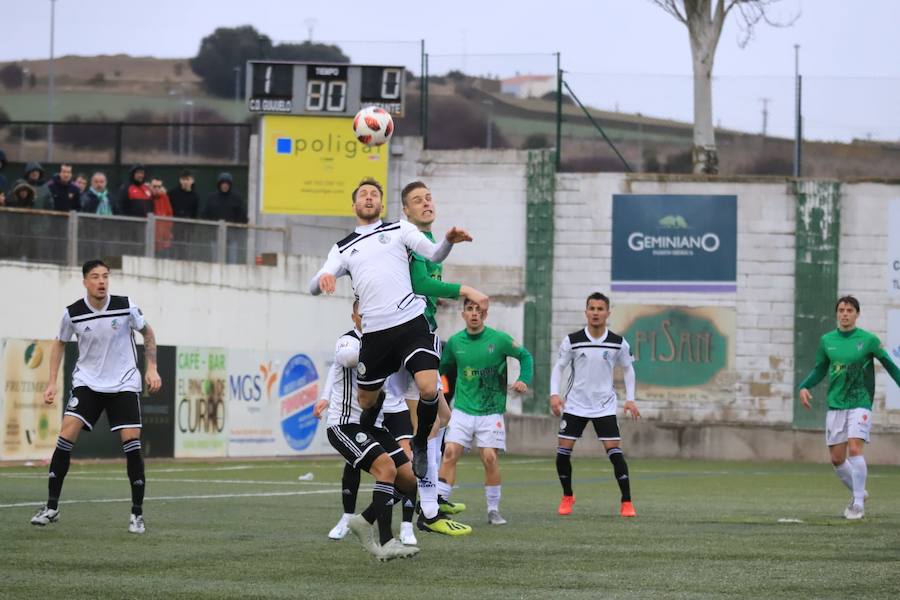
59,466
564,472
135,466
349,491
620,469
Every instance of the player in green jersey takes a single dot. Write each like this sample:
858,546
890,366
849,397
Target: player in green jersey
846,355
477,355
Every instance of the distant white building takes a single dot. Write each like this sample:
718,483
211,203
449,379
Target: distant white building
528,86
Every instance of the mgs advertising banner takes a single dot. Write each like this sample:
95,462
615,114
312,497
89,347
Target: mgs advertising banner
29,427
310,165
681,353
271,397
201,382
892,395
893,262
674,243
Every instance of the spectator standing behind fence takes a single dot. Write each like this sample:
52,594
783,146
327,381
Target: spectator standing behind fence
161,208
135,197
184,199
81,182
225,204
34,176
22,195
64,195
4,183
95,199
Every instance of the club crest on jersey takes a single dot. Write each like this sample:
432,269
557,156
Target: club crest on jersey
361,438
384,238
859,346
73,402
360,368
490,348
114,324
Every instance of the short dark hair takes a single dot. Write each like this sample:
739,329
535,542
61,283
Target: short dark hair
66,164
91,265
410,188
185,173
597,296
367,181
847,300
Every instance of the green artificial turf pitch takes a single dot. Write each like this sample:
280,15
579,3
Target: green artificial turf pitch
252,530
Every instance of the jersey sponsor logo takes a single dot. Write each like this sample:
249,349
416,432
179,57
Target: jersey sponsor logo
361,438
384,238
361,368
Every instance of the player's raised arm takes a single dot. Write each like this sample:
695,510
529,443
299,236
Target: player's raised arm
425,285
416,241
326,279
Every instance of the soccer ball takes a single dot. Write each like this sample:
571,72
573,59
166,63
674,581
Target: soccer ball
373,126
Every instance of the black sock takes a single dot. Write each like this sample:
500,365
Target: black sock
620,468
59,466
564,469
385,519
370,415
349,487
135,465
409,507
382,493
426,411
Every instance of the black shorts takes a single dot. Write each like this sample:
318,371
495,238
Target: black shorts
360,446
572,426
411,345
123,409
399,424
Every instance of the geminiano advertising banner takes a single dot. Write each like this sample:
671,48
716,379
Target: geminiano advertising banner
310,165
674,243
29,427
681,353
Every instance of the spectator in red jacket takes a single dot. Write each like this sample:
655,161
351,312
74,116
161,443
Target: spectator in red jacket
135,196
161,208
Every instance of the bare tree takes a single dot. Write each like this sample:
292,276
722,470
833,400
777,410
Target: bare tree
704,20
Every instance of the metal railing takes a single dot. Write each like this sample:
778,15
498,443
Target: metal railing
72,238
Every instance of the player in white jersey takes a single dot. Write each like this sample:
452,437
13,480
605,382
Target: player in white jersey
105,378
591,354
365,447
340,382
395,332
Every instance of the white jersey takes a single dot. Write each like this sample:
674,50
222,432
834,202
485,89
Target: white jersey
376,257
590,391
107,356
343,403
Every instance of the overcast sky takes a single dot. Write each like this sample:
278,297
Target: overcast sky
625,54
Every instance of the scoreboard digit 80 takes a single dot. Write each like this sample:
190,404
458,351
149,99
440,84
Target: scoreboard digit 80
322,89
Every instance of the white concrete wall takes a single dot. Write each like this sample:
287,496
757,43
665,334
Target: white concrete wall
764,302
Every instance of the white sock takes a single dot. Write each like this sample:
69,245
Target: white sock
444,489
346,517
860,472
844,471
428,492
492,495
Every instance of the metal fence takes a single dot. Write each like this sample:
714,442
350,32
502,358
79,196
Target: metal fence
72,238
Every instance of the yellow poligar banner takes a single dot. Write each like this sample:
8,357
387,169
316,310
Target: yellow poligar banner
29,427
310,165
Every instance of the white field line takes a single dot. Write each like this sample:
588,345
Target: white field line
195,497
152,479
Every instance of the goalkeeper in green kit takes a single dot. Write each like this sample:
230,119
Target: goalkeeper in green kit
477,356
846,355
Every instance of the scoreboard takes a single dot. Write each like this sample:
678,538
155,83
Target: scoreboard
322,89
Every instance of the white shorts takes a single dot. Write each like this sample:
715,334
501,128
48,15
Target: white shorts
488,430
402,385
840,425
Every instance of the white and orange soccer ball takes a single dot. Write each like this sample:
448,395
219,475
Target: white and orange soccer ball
373,126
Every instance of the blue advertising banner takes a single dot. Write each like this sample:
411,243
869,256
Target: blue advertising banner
674,243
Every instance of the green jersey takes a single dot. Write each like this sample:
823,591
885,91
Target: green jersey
847,358
426,281
480,364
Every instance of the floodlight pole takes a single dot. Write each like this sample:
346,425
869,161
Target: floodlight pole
50,83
